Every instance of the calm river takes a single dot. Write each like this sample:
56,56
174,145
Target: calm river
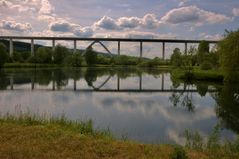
142,105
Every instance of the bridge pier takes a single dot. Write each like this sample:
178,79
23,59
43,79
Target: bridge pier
11,82
162,84
118,48
53,48
140,82
32,83
32,47
163,50
11,47
186,48
53,45
75,85
53,81
141,49
118,83
75,46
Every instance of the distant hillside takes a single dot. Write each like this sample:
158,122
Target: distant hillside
26,47
20,46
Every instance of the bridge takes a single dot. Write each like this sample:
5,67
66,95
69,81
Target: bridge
100,40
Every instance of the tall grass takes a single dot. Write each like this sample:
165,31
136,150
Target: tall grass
213,144
81,127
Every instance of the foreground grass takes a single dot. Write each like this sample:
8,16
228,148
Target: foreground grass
32,137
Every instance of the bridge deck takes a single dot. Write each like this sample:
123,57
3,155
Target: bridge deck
106,39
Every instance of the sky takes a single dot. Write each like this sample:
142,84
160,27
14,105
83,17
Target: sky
151,19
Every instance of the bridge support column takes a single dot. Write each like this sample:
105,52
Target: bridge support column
118,48
163,50
75,85
33,82
53,81
53,49
75,46
140,82
53,45
11,47
32,47
118,83
162,84
11,82
186,48
141,49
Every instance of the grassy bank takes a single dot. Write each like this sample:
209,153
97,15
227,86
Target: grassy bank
200,75
32,137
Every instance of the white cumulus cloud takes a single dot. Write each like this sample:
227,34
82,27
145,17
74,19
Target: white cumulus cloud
63,26
149,21
107,23
128,22
195,15
15,26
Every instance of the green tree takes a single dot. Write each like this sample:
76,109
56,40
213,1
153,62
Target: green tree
203,51
59,54
229,55
44,55
90,56
176,59
227,108
75,60
3,55
17,57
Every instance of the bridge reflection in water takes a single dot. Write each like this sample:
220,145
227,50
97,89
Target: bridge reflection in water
100,87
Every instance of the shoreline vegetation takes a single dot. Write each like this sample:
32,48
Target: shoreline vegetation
29,136
178,73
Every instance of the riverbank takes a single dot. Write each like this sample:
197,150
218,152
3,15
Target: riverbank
199,75
32,137
177,73
32,65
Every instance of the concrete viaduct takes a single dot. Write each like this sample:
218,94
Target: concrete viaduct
100,40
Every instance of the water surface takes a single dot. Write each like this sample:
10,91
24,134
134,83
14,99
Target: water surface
142,105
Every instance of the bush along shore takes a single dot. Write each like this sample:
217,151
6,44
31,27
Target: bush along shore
29,136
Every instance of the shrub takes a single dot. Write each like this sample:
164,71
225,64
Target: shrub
193,140
126,60
3,55
59,54
178,153
229,54
17,57
26,55
43,55
103,60
152,63
176,59
75,60
206,65
203,51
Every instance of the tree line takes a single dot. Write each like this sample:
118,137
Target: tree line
224,57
